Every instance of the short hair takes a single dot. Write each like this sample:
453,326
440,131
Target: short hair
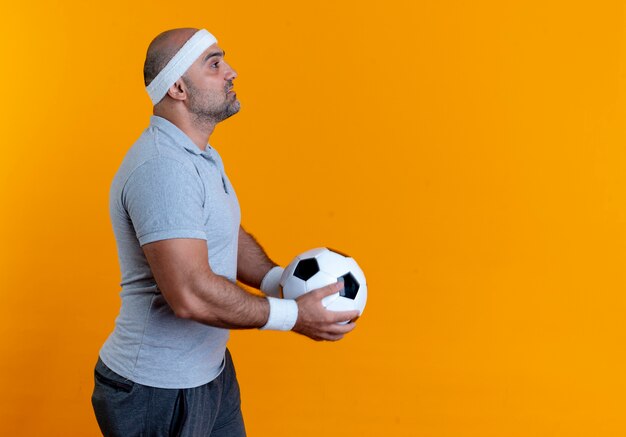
156,60
160,52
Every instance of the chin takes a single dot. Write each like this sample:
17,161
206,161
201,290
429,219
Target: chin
234,108
230,110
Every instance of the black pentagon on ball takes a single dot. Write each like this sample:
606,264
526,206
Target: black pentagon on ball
350,286
306,268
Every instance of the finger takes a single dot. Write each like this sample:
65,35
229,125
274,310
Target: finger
337,328
333,288
342,316
327,336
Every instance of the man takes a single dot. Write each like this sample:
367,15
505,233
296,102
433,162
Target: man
165,369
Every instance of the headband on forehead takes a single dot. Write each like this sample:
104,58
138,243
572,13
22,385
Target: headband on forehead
176,67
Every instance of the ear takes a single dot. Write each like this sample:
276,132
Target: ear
178,91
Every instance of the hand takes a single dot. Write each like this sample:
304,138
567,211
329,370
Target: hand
318,323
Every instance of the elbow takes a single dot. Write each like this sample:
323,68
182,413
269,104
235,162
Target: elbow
183,312
191,313
190,308
181,305
190,300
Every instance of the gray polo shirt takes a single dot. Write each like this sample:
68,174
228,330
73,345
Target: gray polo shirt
167,187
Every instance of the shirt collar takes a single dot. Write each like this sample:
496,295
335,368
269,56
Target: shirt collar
178,135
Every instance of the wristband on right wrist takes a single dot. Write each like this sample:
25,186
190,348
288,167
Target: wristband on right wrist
283,314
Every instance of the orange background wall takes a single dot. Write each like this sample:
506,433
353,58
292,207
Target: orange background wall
470,155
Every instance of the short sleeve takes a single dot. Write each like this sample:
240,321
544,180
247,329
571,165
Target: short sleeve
164,199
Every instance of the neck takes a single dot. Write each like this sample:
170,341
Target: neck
199,130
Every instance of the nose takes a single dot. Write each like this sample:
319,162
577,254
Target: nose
231,74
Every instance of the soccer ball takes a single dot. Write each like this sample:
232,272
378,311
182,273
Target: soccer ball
319,267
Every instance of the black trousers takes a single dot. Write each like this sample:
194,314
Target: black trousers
126,409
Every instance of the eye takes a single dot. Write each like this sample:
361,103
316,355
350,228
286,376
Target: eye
215,64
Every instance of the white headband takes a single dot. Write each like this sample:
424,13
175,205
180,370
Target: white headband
176,67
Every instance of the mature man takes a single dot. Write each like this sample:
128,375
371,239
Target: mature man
165,369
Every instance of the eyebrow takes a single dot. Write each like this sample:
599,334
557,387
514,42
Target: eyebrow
212,54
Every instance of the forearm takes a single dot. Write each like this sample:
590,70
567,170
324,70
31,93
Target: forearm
252,261
214,300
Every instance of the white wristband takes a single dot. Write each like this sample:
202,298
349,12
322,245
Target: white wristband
270,285
283,314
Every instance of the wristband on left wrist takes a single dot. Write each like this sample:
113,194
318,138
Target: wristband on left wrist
270,285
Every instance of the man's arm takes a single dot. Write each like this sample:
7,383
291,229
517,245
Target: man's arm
182,272
252,261
193,291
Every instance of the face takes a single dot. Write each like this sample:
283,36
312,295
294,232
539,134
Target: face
209,83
